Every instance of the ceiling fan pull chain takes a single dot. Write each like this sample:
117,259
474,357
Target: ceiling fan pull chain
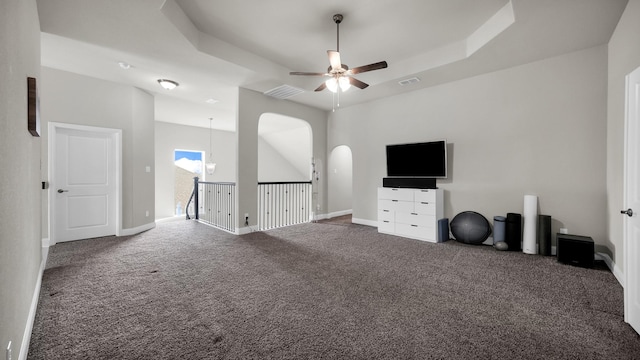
333,101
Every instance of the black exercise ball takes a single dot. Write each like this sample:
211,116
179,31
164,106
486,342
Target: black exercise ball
470,227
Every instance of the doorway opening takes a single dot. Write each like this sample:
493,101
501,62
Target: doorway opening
340,177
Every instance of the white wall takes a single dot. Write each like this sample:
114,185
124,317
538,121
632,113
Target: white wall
624,57
273,167
77,99
537,129
170,137
20,189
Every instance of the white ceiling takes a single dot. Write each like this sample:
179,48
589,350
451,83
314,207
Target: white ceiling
212,47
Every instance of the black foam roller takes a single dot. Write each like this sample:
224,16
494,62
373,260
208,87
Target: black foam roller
443,230
543,233
513,231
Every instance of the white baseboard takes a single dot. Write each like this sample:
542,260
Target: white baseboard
358,221
171,218
137,230
244,230
615,270
339,213
26,337
318,217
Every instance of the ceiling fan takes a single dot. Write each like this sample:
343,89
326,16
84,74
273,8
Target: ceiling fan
339,73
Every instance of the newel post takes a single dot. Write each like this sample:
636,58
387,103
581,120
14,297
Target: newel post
196,206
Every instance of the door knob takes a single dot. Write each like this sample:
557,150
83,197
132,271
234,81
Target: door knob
60,191
629,212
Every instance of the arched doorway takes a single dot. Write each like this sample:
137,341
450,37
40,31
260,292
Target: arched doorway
285,191
340,178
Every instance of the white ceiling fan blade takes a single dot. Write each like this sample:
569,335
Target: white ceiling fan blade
334,60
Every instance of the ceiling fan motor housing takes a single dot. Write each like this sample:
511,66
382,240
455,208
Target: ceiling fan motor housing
339,71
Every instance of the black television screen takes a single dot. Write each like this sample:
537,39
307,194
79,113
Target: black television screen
427,159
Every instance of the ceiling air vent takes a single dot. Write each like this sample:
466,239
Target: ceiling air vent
283,92
409,81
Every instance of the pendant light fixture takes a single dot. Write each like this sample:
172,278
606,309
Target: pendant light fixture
210,166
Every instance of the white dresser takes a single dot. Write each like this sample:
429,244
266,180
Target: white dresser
412,213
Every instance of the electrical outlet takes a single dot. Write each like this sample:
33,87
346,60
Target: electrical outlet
564,231
9,351
146,213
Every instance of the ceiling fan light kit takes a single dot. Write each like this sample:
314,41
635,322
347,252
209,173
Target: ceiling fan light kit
341,77
342,82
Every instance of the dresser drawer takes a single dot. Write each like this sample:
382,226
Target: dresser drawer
415,219
416,232
426,208
386,226
395,194
396,205
386,215
426,195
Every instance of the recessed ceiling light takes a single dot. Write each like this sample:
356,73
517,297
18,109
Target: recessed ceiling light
211,101
124,65
168,84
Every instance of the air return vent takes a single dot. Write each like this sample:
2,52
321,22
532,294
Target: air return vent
409,81
283,92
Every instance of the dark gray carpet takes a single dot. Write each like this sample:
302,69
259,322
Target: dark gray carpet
320,291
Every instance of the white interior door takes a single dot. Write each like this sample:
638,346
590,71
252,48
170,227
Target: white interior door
83,189
632,203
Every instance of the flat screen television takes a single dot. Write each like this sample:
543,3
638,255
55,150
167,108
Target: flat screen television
426,159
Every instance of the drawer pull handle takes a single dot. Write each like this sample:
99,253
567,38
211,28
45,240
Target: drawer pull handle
385,221
424,203
414,213
385,210
394,189
414,225
394,200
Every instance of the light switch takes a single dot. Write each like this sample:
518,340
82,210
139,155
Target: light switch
148,168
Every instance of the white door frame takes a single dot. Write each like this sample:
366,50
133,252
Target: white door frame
116,136
629,145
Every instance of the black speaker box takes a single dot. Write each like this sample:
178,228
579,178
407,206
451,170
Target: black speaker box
513,231
543,234
575,250
415,183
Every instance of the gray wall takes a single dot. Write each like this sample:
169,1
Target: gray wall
624,57
20,193
81,100
535,129
251,106
172,136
